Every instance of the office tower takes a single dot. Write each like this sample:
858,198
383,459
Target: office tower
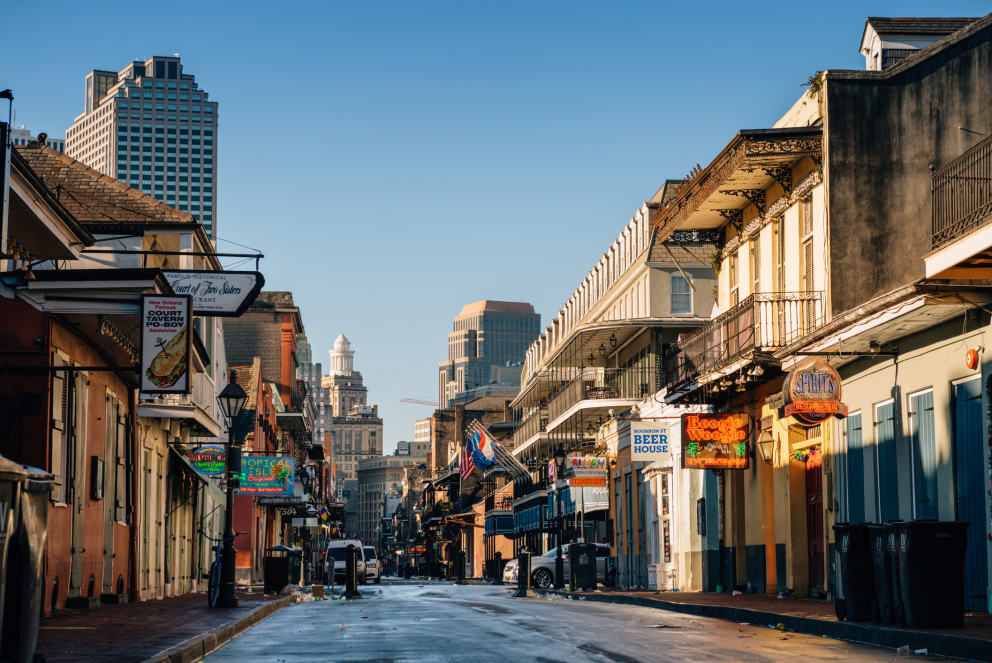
150,126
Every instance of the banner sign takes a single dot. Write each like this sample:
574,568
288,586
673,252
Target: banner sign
715,441
165,343
267,475
812,394
588,481
211,459
648,441
221,294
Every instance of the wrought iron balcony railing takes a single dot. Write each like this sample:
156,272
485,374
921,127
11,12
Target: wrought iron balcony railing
961,194
499,503
604,383
766,321
532,424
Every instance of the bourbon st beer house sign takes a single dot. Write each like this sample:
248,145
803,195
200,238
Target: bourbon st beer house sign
221,294
812,394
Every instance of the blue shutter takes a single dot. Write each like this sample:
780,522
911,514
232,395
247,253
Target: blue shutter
855,471
969,462
886,463
924,456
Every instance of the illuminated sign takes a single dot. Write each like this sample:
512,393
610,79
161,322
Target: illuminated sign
209,460
812,394
588,482
715,441
648,441
267,475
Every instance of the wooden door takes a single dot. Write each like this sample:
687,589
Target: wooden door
814,518
969,488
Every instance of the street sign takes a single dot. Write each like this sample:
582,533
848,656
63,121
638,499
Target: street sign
221,294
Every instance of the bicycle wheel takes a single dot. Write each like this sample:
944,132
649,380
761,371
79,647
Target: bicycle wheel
213,585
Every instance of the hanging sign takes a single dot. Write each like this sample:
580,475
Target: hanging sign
221,294
812,394
712,441
210,459
648,441
267,475
165,343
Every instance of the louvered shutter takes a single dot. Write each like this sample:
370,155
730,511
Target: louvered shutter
60,395
120,487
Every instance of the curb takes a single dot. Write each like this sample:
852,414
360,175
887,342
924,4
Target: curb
203,644
939,644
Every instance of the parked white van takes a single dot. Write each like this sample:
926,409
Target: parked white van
336,556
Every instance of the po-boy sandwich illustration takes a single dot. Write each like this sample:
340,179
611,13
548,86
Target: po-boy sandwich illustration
170,363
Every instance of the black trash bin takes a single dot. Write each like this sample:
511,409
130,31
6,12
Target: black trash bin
886,575
931,572
582,560
857,586
275,572
294,555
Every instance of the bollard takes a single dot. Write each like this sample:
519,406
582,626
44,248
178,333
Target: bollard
460,561
351,573
498,563
523,576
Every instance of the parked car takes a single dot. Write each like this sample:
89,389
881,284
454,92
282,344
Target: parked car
336,556
542,567
373,567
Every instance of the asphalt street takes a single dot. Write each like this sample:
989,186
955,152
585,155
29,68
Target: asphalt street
437,621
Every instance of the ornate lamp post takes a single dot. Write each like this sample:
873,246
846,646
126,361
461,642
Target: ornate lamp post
232,401
559,562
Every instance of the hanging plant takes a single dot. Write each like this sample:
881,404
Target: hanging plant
815,84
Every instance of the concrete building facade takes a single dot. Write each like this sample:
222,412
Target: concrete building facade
151,126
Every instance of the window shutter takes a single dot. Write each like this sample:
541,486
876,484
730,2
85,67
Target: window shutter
808,266
120,487
755,265
60,397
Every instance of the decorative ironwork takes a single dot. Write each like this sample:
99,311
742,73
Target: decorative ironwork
781,175
754,196
735,216
694,237
784,146
961,194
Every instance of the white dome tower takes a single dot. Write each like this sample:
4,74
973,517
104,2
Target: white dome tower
342,357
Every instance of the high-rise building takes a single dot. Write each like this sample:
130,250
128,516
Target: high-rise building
149,125
312,374
488,346
355,426
22,136
421,445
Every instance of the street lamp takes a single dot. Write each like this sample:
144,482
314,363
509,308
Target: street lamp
232,401
559,563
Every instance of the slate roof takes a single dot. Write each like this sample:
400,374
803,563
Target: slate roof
92,197
909,25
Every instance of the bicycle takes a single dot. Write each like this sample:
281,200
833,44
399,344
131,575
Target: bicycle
213,575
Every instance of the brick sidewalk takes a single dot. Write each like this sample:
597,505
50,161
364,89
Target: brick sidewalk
132,632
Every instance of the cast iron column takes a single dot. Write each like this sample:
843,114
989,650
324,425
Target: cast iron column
228,559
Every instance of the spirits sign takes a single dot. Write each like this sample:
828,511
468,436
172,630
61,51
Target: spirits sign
812,394
715,441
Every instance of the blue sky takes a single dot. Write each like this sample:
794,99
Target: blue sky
395,161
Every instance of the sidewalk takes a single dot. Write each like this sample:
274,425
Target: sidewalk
973,642
133,632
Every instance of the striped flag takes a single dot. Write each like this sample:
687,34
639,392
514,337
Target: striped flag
468,465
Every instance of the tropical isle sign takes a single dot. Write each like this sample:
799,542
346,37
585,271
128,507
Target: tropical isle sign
812,394
221,294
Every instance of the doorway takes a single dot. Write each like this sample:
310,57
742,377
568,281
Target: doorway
969,491
814,518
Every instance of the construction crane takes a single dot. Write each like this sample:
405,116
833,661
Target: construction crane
417,401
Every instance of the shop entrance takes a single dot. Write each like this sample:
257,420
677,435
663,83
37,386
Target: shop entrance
814,518
970,492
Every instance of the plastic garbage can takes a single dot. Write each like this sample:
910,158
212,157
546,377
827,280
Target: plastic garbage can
883,606
856,575
582,560
931,571
275,572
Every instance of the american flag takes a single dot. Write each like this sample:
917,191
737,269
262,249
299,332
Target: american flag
468,465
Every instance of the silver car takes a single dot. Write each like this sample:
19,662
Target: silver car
542,567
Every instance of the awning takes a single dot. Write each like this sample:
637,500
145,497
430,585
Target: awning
215,492
201,423
292,422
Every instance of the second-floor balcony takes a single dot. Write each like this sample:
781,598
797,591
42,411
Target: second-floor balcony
762,323
197,409
601,387
961,208
531,426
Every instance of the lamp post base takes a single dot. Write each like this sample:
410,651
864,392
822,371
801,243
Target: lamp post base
230,602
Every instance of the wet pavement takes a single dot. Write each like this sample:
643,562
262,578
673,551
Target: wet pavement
439,621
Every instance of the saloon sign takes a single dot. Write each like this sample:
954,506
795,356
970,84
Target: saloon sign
221,294
812,394
713,441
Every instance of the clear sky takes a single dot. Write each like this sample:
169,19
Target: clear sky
395,161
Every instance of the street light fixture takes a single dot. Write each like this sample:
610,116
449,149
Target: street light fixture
766,445
559,562
232,401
